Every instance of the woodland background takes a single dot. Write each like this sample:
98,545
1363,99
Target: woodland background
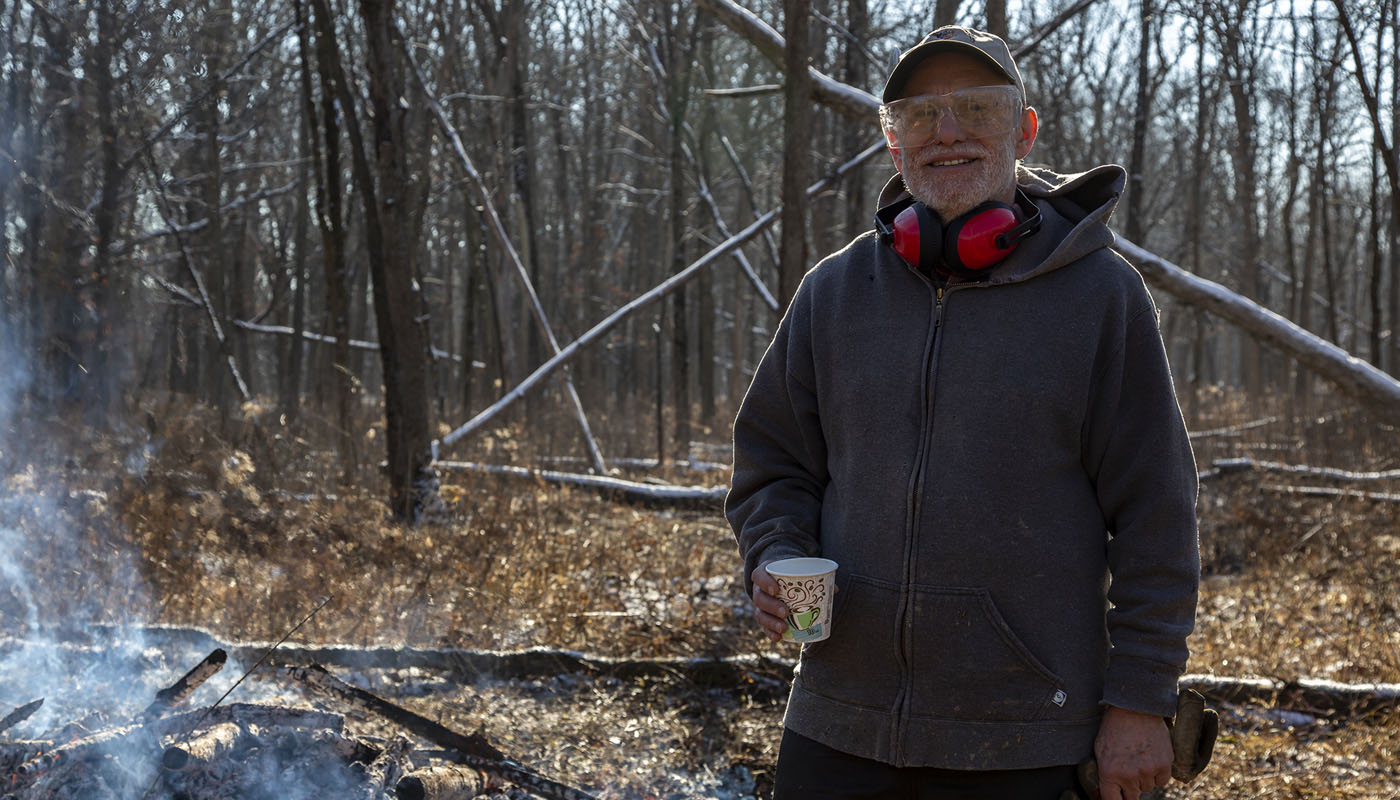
233,202
266,298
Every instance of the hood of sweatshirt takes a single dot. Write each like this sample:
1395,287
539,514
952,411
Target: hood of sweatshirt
1074,210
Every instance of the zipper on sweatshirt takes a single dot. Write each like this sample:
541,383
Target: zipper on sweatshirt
913,505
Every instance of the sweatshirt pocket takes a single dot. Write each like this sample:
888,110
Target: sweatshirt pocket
969,664
858,663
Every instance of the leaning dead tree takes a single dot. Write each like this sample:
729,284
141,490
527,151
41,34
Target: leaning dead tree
1379,392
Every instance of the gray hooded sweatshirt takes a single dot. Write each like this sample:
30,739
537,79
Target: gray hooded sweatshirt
1002,472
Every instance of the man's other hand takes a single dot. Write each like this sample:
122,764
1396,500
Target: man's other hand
767,608
1134,751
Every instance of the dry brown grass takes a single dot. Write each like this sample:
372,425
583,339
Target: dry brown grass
236,532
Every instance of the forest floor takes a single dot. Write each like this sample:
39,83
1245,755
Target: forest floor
194,524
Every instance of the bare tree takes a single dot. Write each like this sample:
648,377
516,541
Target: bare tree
397,304
797,121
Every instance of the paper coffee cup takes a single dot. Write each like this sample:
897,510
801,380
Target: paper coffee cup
806,586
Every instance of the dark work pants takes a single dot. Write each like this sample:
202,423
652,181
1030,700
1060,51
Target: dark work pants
808,770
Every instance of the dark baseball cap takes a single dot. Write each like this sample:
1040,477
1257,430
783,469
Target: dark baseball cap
954,38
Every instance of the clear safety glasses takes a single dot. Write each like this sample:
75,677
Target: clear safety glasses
979,112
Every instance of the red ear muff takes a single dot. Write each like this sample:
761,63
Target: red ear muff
917,235
978,239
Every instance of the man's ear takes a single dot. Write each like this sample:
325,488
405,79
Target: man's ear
1030,125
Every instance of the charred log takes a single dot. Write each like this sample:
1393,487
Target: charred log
125,738
214,743
20,714
259,714
321,680
180,691
386,770
350,748
446,782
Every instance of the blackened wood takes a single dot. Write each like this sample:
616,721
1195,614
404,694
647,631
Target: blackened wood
351,748
386,770
20,714
180,690
199,751
446,782
474,750
319,678
112,739
259,714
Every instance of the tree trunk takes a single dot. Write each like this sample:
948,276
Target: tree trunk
398,307
797,116
290,388
996,18
1238,70
100,348
945,12
331,218
58,257
855,73
1137,160
515,57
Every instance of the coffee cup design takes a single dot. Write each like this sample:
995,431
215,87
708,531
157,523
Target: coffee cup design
806,586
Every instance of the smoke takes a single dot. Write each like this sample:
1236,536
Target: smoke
60,572
14,381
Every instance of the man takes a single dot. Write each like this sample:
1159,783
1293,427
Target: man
970,411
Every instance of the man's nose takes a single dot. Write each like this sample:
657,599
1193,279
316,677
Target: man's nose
945,127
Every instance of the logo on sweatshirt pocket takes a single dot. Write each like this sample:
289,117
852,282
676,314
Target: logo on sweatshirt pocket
1059,698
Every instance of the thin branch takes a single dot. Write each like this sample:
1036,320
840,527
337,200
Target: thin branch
848,101
1043,32
744,91
151,140
850,37
749,190
213,318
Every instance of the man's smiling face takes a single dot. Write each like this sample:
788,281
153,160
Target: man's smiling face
956,171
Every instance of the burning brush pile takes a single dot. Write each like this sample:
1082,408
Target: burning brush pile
249,751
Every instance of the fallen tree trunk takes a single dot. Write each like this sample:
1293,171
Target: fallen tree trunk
645,494
766,674
661,290
1330,491
1379,392
1305,694
1230,466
